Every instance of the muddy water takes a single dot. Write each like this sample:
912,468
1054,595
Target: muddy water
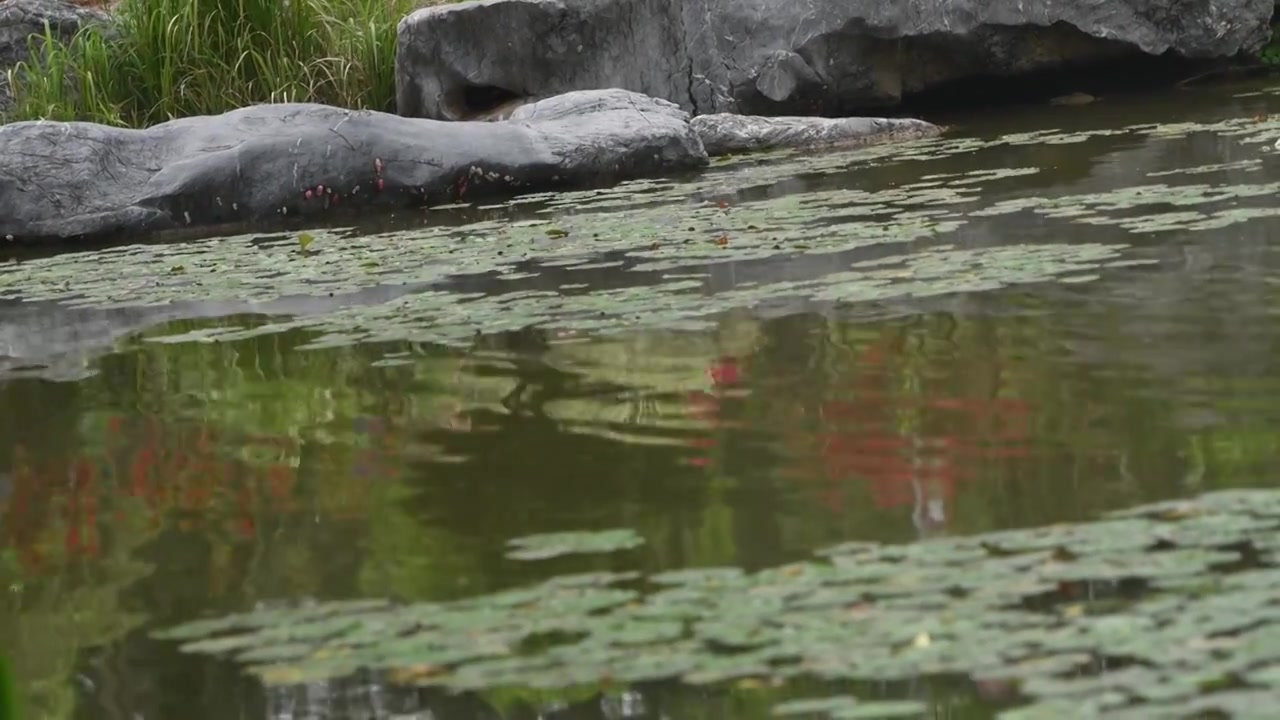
1023,339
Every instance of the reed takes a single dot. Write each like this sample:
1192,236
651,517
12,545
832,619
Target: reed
173,58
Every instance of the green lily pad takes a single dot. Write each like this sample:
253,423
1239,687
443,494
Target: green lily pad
549,545
814,706
956,606
881,710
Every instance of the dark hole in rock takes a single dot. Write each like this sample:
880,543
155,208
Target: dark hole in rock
481,102
1127,76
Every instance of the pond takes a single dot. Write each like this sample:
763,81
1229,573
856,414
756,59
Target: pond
1045,316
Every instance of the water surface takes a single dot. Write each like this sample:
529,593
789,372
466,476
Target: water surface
1039,318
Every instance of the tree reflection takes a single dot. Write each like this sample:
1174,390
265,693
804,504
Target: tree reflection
196,478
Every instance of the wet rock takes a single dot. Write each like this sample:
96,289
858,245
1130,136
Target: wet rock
20,20
723,133
826,57
272,162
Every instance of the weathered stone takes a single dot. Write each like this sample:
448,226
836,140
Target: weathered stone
772,57
82,180
22,21
723,133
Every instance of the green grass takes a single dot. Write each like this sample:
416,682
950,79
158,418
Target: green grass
176,58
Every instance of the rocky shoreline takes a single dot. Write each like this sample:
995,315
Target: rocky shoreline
481,117
267,163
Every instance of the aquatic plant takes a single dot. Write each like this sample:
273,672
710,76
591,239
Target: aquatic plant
163,59
1190,620
549,545
649,227
904,240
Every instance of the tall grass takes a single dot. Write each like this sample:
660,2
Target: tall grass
172,58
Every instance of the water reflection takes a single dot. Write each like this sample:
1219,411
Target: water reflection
165,481
183,479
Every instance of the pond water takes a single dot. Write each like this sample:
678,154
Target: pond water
1036,319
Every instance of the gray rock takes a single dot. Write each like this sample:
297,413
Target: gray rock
21,21
773,57
722,133
82,180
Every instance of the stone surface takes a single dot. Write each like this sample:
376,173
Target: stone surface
771,57
723,133
21,19
82,180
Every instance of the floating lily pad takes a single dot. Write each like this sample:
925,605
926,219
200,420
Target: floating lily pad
881,710
666,235
549,545
953,606
812,706
701,577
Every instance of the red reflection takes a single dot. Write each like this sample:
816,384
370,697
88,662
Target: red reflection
723,373
913,447
912,437
64,508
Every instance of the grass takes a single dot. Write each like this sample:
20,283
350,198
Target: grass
176,58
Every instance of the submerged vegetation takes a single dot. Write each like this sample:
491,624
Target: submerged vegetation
162,59
1153,612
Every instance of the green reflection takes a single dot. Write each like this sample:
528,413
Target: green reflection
8,696
928,371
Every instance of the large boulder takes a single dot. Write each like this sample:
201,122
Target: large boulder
306,163
774,57
82,180
23,25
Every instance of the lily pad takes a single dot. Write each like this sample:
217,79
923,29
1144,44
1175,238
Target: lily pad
812,706
946,607
549,545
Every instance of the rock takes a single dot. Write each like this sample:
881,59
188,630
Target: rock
82,180
21,19
723,133
772,57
